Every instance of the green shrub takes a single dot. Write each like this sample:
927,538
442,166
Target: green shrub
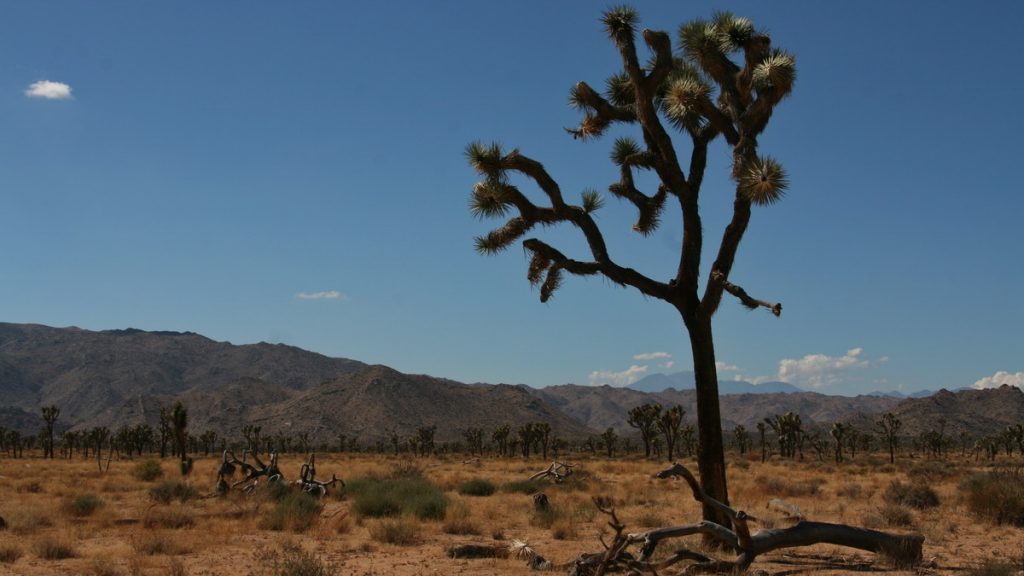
382,497
84,505
170,490
996,496
147,470
524,486
476,487
931,471
295,512
915,495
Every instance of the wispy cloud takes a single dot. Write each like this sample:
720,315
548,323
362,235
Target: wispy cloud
651,356
323,295
49,90
624,378
726,367
667,365
820,370
999,378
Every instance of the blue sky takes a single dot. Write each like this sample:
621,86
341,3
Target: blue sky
294,172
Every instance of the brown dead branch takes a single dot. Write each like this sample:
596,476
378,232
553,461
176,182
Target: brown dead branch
557,471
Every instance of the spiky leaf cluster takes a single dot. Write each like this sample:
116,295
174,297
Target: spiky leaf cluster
552,283
539,264
619,90
623,150
620,22
490,199
501,238
486,158
592,200
650,212
732,32
682,95
763,181
777,72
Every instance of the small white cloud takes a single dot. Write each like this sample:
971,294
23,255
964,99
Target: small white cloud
667,365
323,295
999,378
652,356
49,90
726,367
624,378
820,370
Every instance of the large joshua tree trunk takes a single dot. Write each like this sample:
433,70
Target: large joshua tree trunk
710,448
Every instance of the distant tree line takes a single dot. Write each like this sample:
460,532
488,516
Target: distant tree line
662,433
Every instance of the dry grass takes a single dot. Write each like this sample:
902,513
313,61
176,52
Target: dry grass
133,533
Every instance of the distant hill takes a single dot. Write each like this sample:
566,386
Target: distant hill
86,372
685,381
602,406
114,377
976,412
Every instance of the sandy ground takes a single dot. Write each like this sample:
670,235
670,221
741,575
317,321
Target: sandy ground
129,534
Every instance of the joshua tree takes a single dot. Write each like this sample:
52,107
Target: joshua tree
474,440
500,438
50,414
742,438
764,445
645,419
839,433
669,424
543,434
609,438
889,428
179,422
701,94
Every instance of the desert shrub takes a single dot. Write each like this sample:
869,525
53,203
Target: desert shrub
996,568
546,517
413,495
741,464
896,515
9,553
176,568
916,495
476,487
173,518
292,560
295,512
996,496
103,566
398,531
931,471
458,521
50,548
776,486
170,490
524,486
83,505
28,520
157,544
147,470
849,490
277,491
30,487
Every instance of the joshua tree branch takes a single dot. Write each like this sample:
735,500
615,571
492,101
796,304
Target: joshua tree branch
748,301
726,253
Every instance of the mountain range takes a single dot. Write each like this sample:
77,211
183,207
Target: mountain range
114,377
